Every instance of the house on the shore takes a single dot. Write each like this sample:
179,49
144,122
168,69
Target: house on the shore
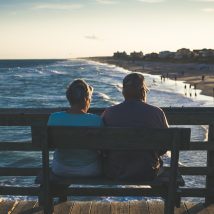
183,53
151,56
204,53
120,55
166,55
136,55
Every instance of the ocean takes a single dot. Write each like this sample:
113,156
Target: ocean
42,84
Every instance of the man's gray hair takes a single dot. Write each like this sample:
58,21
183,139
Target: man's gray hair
135,81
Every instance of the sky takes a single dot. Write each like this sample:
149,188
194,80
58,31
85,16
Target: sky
81,28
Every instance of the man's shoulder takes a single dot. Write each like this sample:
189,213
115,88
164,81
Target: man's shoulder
140,105
153,108
114,108
157,112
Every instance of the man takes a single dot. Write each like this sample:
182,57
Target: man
134,112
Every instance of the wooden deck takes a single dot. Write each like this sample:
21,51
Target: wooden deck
95,207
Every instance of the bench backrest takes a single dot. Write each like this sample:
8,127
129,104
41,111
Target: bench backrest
111,138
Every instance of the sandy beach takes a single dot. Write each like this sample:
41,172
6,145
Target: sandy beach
200,76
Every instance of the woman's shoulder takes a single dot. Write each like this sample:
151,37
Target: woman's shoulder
64,118
57,114
93,116
94,119
55,117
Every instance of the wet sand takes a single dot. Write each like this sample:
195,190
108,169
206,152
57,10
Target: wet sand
188,72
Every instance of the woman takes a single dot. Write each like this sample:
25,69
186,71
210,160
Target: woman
68,163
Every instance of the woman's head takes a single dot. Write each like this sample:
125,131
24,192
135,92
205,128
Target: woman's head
79,93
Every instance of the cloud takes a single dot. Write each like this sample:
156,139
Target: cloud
57,6
91,37
208,10
106,1
151,1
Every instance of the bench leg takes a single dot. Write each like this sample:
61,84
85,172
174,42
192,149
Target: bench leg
41,200
62,198
178,200
62,192
46,201
41,197
168,206
48,205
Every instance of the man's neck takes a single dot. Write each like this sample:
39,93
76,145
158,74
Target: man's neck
133,99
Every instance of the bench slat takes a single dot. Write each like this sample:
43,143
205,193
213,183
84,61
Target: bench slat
175,115
18,146
21,146
161,179
83,191
14,171
10,171
11,190
113,138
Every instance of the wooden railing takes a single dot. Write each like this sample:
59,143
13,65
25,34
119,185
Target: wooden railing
175,116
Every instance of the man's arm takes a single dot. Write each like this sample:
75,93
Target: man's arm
165,125
103,116
165,122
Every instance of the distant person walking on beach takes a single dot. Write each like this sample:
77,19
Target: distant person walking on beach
185,90
69,163
202,77
135,112
195,87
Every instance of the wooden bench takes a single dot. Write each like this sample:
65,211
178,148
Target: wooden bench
111,138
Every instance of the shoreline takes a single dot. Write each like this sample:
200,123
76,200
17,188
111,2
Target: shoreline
190,73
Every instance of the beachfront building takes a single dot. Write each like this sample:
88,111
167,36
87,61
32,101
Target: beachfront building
151,56
203,54
196,53
206,53
183,53
136,55
120,55
166,54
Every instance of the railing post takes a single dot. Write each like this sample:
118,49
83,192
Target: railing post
48,203
209,199
172,188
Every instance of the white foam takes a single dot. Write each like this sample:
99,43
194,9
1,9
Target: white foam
57,72
103,96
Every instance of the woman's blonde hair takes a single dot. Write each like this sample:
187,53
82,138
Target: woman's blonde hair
78,91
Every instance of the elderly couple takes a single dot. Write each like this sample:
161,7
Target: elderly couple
133,112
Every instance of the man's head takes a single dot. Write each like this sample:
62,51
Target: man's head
134,87
79,93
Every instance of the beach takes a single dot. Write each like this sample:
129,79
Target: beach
199,76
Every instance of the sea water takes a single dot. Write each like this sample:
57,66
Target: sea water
42,84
